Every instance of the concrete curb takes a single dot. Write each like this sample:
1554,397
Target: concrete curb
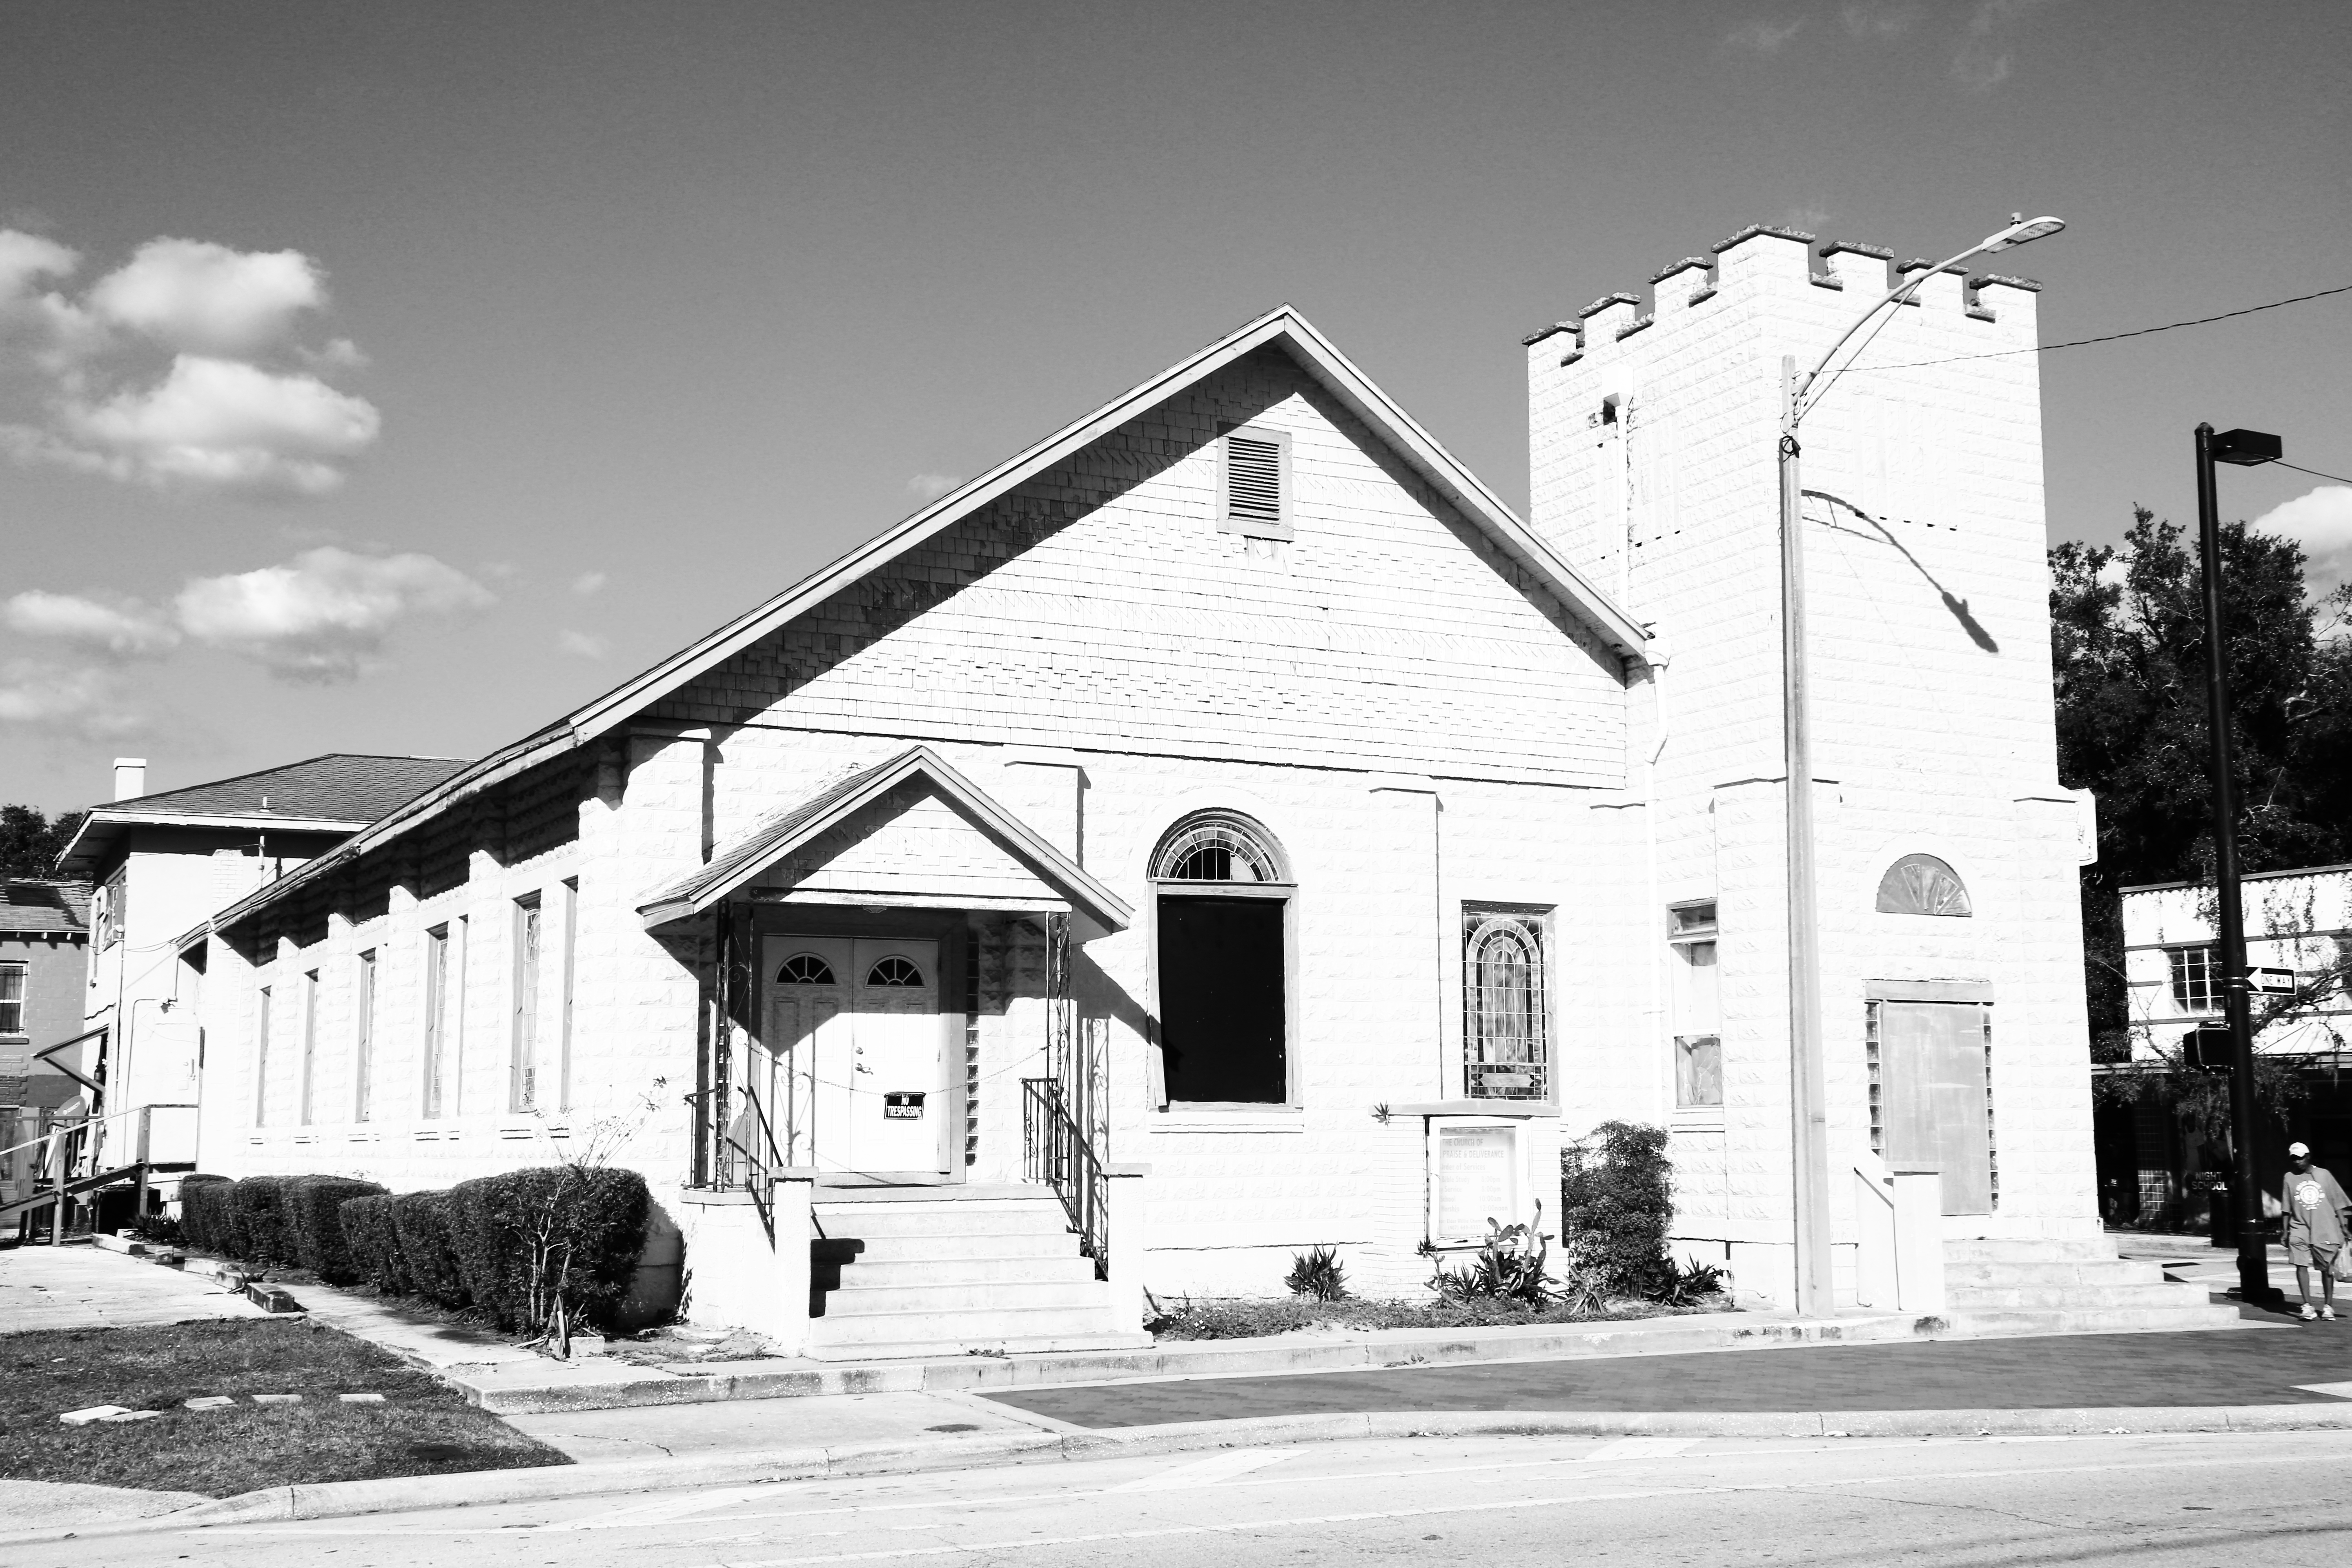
547,1387
342,1499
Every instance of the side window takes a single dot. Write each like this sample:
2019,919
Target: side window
1698,1007
261,1058
363,1042
1223,894
1506,1005
11,998
2196,979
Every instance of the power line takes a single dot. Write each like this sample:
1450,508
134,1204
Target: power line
2314,473
2109,337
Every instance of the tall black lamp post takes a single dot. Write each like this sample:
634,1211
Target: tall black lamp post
2246,449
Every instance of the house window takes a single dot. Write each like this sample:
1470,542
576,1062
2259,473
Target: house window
804,969
894,972
363,1040
436,1015
1923,885
11,998
563,1024
2197,985
261,1059
523,1068
1224,913
309,1042
114,907
1254,482
1698,1007
1506,1008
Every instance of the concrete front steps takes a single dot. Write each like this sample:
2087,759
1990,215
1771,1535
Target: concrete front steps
2073,1285
913,1271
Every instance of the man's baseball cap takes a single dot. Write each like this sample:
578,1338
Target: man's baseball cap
2298,1149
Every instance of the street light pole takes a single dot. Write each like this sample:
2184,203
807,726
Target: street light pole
1809,1151
2245,448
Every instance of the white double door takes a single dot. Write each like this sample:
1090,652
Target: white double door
856,1049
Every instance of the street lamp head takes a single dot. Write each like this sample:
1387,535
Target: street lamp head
2021,231
2247,448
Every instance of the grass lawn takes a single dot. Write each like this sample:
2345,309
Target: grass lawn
420,1428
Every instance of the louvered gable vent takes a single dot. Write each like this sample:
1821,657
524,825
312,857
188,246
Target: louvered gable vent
1257,470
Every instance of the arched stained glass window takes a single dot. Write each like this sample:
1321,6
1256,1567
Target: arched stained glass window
1504,1033
806,969
893,971
1923,885
1218,846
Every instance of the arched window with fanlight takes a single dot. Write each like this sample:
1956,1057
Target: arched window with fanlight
1222,909
1923,885
1506,1006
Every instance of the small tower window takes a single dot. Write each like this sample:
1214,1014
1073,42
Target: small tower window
1254,482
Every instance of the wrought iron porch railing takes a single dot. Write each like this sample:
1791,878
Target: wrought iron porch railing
1058,1155
747,1157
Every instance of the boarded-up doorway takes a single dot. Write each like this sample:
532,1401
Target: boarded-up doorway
1933,1103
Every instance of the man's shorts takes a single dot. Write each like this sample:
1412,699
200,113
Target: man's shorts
2302,1254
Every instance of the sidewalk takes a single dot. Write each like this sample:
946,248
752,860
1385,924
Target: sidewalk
83,1287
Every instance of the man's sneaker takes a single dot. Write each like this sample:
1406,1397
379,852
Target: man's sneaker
2308,1315
2326,1314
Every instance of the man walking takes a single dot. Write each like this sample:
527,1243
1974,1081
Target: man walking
2316,1209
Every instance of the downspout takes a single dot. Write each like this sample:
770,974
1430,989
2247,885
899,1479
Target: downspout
1658,656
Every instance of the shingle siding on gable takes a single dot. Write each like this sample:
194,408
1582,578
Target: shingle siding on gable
1099,605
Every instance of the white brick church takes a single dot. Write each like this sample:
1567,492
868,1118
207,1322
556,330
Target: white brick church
1225,827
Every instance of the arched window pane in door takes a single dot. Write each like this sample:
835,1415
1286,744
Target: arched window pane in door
893,971
1223,916
1506,1034
804,969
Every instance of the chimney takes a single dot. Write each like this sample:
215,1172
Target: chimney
130,777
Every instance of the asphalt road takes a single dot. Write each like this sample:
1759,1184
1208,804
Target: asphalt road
2269,1497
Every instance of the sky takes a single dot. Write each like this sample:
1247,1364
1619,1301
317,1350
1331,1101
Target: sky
395,378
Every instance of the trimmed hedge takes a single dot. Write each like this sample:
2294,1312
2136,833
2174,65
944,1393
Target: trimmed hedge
422,1220
374,1244
204,1212
525,1238
316,1228
256,1208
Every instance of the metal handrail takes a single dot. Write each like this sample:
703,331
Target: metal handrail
1057,1154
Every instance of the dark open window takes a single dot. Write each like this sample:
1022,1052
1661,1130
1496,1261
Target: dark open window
1222,962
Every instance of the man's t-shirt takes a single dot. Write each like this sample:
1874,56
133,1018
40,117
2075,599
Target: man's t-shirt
2314,1205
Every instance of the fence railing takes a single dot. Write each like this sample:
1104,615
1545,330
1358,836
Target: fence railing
1058,1155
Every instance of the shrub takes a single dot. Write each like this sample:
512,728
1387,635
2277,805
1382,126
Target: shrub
1686,1285
315,1226
257,1220
161,1229
1317,1273
374,1243
421,1220
1510,1267
204,1212
548,1243
1616,1201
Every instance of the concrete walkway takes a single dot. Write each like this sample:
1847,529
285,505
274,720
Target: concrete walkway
81,1286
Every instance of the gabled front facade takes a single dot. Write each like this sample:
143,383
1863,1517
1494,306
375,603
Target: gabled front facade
1225,824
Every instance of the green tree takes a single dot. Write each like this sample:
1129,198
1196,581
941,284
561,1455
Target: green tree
2128,648
30,842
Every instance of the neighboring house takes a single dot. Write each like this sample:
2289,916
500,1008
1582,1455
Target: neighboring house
44,963
2153,1171
1226,827
161,862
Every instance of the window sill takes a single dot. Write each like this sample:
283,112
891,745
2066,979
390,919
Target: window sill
1528,1108
1697,1118
1183,1118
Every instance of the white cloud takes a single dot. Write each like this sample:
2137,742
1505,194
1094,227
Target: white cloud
589,583
222,424
1979,66
928,488
324,615
580,644
197,297
1881,18
235,406
87,701
125,630
1763,36
2320,521
1980,69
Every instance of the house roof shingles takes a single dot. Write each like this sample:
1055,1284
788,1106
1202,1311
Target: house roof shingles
30,906
341,786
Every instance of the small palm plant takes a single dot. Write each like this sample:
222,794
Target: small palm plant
1317,1273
